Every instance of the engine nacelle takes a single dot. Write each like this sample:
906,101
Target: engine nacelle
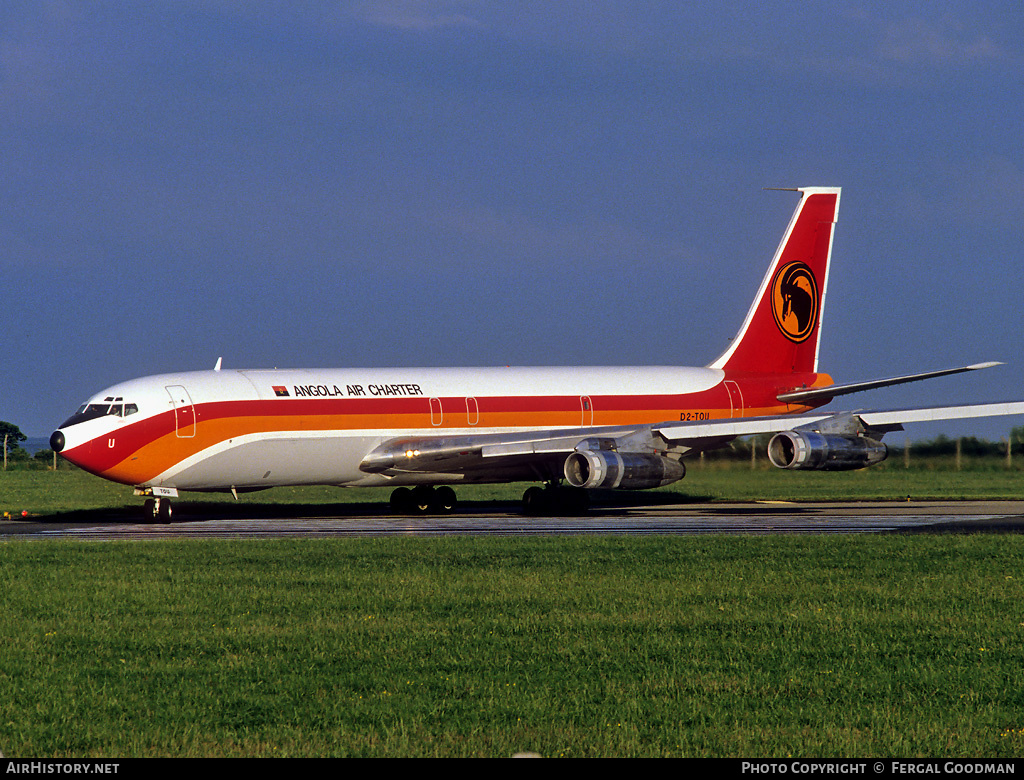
622,470
824,452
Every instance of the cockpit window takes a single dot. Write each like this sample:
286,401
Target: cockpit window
109,406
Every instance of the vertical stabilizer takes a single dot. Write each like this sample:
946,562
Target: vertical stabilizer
783,327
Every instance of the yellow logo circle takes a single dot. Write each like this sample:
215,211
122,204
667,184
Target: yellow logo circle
795,301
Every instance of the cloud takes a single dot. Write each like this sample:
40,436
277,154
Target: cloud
935,42
897,51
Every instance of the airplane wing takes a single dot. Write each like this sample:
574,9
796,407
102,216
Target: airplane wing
548,454
878,421
838,441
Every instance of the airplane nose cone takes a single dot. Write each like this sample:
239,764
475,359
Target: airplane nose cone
57,441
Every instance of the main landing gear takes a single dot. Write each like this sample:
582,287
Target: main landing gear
555,499
423,499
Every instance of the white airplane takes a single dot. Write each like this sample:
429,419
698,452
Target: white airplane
429,428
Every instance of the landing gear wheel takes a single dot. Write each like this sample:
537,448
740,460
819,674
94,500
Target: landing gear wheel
534,501
401,500
164,511
444,499
422,499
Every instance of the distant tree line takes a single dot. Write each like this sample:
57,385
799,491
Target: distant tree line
750,448
16,456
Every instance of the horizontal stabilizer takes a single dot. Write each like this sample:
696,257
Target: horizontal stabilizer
817,393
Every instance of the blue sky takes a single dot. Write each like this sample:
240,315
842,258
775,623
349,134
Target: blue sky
467,182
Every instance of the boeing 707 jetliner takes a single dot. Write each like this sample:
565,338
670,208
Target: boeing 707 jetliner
422,430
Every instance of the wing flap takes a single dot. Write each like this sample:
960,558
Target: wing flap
693,433
457,452
564,444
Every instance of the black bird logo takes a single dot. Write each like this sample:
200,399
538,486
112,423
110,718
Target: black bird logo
795,301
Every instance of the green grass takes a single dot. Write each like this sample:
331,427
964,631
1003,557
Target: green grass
935,479
877,645
717,646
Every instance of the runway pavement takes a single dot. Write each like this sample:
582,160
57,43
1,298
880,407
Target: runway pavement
506,520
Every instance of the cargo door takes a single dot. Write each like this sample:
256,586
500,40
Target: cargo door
735,398
588,411
184,412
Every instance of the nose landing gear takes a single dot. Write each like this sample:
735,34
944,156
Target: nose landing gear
158,510
158,507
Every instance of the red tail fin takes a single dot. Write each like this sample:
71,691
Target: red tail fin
782,329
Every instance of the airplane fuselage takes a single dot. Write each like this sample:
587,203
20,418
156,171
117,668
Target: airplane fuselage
216,430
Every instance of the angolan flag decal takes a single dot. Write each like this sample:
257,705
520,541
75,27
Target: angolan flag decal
280,391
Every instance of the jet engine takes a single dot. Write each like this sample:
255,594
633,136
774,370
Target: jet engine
825,452
622,470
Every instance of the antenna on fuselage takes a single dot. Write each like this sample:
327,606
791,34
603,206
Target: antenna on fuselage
217,367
